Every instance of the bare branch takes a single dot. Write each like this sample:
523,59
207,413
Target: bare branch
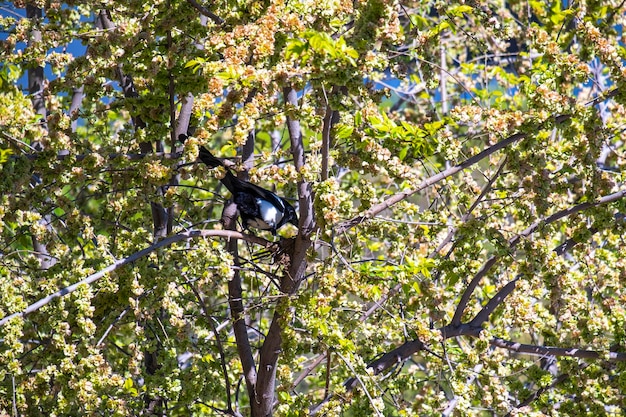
184,116
326,129
132,258
171,93
305,192
392,358
357,378
484,314
215,18
108,330
330,119
376,209
77,98
465,297
220,346
235,291
556,351
456,320
466,216
316,362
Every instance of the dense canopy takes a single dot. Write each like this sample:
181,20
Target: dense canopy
457,171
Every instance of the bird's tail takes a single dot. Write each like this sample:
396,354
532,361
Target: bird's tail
208,158
231,182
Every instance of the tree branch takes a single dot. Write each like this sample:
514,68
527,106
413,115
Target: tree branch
474,327
294,273
484,314
184,116
132,258
556,351
330,119
467,294
235,290
215,18
219,344
171,92
377,208
456,320
389,359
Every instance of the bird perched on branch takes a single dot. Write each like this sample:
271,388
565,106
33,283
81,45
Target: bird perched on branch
259,208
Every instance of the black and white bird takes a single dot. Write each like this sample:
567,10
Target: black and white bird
259,208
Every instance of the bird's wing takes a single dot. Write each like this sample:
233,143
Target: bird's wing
235,185
259,192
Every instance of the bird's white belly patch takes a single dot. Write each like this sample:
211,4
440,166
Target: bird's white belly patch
270,215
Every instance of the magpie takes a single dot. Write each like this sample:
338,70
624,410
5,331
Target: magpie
259,208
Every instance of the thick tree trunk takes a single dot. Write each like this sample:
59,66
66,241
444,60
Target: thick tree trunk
291,279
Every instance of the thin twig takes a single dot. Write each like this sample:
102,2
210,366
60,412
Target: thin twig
466,216
108,330
218,342
327,383
356,376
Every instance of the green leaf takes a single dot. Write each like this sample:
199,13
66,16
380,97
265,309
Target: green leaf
322,42
377,123
343,131
4,155
443,25
419,21
403,153
284,396
459,10
195,64
263,137
351,52
295,48
358,118
129,387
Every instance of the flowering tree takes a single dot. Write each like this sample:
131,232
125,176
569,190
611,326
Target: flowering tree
457,169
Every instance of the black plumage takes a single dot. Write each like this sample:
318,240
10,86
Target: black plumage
259,208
